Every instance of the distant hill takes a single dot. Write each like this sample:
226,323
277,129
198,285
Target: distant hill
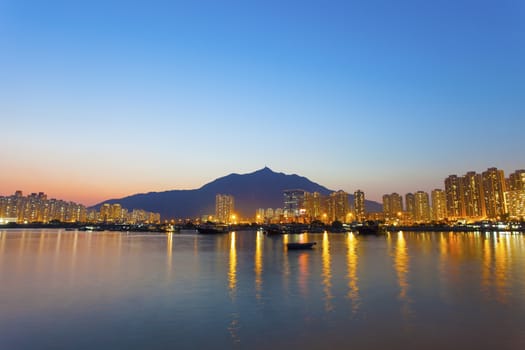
260,189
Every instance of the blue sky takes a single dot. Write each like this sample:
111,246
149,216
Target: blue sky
102,99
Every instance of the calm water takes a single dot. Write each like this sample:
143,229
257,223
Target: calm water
75,290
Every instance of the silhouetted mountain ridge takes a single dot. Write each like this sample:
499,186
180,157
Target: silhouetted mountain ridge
260,189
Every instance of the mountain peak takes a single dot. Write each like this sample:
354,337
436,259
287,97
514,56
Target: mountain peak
262,188
265,170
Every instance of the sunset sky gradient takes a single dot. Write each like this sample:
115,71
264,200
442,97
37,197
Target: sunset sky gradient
104,99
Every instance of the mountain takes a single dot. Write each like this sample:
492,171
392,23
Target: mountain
260,189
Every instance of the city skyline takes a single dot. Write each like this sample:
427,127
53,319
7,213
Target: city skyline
412,188
102,100
472,196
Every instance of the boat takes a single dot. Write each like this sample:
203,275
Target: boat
212,229
273,230
297,246
369,228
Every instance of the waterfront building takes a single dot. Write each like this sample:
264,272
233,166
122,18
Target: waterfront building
439,205
293,203
259,216
455,197
517,180
359,205
392,206
105,212
37,208
116,213
386,205
338,207
473,196
224,208
278,214
410,201
314,204
494,186
269,214
515,204
422,207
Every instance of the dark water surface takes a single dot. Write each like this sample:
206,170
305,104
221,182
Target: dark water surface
109,290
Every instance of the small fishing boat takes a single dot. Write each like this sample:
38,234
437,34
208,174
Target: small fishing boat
274,230
212,229
297,246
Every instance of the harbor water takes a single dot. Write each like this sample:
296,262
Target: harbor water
403,290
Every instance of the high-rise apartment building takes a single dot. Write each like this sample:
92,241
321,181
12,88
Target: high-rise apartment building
455,197
392,206
473,195
515,204
359,205
410,201
224,208
259,216
422,207
338,206
439,205
494,186
314,204
517,180
293,203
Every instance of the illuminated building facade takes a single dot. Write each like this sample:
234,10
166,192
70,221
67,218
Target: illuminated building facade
359,205
37,208
494,186
314,203
422,207
410,201
293,203
439,205
455,198
473,195
517,180
224,208
338,207
515,204
392,206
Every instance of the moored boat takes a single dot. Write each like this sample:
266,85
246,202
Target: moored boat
212,229
297,246
369,228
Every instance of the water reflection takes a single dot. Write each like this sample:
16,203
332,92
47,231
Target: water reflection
2,242
401,266
302,278
120,284
258,264
496,267
169,254
233,327
327,273
286,267
232,272
351,263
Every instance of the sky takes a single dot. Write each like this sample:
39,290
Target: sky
103,99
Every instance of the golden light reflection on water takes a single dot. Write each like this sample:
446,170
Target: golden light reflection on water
351,263
502,267
286,266
2,242
258,264
232,273
327,273
169,254
234,326
302,278
496,271
401,266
